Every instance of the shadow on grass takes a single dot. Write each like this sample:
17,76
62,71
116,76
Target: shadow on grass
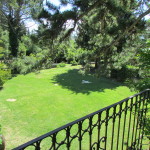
72,80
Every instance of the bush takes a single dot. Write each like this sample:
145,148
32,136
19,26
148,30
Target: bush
61,65
140,84
74,63
23,65
143,84
47,64
82,72
5,74
125,73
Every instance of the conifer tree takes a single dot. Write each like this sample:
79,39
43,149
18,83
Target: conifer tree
13,14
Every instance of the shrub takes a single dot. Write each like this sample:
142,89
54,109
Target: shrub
140,84
5,74
47,64
74,63
82,72
23,65
125,73
61,65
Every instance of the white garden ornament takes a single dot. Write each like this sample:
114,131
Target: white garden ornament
85,82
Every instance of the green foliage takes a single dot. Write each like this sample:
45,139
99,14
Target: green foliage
61,65
138,84
82,72
71,51
30,57
84,56
144,67
87,67
144,58
27,46
22,49
5,74
68,51
139,77
1,51
26,64
125,73
4,52
74,63
23,65
98,31
143,84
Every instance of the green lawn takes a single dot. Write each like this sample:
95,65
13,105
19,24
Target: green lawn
50,99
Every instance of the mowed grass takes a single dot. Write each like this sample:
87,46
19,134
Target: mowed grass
50,99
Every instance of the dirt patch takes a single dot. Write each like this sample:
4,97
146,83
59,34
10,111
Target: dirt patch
11,100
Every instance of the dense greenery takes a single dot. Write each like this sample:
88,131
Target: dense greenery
5,74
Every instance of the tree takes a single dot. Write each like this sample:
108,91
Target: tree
13,15
112,21
108,32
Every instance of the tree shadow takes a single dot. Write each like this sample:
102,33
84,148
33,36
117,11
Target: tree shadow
72,80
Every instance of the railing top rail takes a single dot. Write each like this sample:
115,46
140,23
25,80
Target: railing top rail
76,121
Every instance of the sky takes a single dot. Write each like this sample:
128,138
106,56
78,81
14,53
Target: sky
31,25
57,3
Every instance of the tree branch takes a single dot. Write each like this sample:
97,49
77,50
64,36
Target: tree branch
97,3
89,9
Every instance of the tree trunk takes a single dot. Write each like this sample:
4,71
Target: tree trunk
14,19
97,63
13,38
13,42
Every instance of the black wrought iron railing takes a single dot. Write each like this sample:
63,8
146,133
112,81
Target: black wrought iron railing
117,127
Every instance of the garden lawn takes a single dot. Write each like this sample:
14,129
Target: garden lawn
50,99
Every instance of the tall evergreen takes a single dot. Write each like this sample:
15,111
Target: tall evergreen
15,13
101,32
